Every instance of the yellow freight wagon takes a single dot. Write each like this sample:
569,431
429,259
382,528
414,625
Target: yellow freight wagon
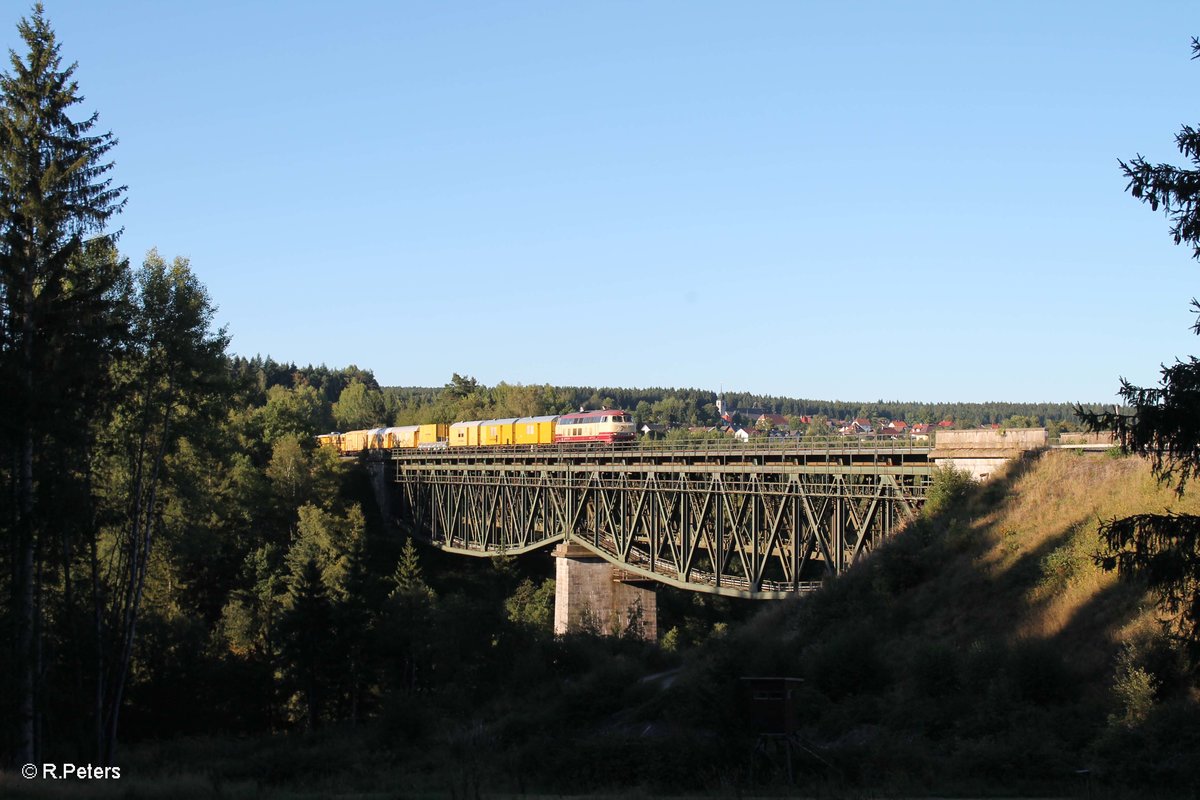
402,436
353,441
465,434
496,432
534,430
432,433
377,438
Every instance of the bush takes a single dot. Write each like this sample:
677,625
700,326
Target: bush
949,488
1133,690
1060,566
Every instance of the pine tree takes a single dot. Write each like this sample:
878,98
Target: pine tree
354,614
1165,423
54,192
308,638
407,578
406,632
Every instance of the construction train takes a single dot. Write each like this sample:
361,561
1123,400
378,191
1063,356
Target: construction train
584,428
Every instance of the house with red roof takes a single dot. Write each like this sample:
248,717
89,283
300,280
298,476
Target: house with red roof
774,420
856,427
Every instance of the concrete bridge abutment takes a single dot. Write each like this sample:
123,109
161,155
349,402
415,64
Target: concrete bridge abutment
593,595
983,453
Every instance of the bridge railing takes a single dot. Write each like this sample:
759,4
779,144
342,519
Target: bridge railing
784,443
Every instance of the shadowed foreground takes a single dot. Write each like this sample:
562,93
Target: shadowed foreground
981,652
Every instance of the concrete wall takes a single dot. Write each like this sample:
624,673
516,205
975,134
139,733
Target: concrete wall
590,594
980,468
1101,437
982,452
988,439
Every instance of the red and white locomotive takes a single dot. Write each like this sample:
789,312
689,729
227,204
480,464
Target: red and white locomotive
606,425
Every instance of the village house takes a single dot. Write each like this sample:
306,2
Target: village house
856,427
771,421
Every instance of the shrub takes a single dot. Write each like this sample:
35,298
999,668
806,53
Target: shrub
949,487
1060,566
1133,690
670,640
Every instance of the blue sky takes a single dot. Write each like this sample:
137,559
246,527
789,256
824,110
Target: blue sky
853,201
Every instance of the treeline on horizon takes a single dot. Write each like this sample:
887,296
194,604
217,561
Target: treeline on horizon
368,404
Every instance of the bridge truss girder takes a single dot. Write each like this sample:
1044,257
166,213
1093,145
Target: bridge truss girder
747,530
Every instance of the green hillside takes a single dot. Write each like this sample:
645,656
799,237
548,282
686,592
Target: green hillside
983,649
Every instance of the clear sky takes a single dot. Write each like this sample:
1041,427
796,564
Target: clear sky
854,201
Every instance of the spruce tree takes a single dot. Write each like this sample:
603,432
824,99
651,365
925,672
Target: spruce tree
55,192
308,639
1164,425
407,628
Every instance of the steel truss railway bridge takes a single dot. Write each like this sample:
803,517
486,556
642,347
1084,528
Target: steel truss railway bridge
730,519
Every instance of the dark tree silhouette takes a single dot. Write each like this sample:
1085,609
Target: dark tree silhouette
308,639
1164,425
54,193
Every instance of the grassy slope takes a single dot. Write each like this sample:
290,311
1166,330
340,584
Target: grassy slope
981,647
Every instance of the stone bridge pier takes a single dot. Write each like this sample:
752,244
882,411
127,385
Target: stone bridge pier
592,594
